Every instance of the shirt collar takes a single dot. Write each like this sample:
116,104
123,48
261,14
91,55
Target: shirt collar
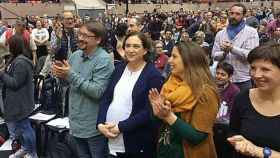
90,56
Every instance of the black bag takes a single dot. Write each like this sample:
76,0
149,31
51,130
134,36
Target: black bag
62,146
51,96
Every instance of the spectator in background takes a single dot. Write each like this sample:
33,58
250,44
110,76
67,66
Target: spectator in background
30,20
180,22
3,27
251,19
209,27
276,35
234,43
227,92
134,24
57,26
65,39
20,28
263,35
3,52
272,25
222,23
41,37
155,26
117,42
199,38
185,36
176,33
46,67
168,42
48,24
161,57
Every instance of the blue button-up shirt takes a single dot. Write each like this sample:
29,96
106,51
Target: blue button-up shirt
88,79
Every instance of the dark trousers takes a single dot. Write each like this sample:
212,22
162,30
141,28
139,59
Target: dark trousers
223,148
41,51
94,147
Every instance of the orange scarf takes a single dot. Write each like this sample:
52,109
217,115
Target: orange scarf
179,94
182,100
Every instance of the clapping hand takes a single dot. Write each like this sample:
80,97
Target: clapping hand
243,145
61,69
226,46
161,107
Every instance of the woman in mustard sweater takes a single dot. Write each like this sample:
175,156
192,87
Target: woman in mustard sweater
187,105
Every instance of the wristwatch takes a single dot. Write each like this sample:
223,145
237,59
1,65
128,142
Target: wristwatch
267,152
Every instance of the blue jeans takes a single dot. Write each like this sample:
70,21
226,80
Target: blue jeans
94,147
23,128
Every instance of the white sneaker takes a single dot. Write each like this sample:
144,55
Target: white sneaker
19,154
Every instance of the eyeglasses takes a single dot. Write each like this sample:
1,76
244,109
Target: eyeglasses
158,47
83,35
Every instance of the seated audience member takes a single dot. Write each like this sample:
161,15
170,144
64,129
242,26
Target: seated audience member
227,91
161,58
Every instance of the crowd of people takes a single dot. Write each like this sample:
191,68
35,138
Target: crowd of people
184,84
29,1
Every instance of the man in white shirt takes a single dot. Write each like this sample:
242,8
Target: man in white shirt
28,40
234,43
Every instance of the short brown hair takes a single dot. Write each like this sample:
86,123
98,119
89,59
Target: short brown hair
240,5
21,22
97,28
146,42
268,52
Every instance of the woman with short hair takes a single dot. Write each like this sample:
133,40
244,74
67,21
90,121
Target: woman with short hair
125,116
255,115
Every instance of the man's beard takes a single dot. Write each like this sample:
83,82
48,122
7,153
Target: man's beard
233,22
